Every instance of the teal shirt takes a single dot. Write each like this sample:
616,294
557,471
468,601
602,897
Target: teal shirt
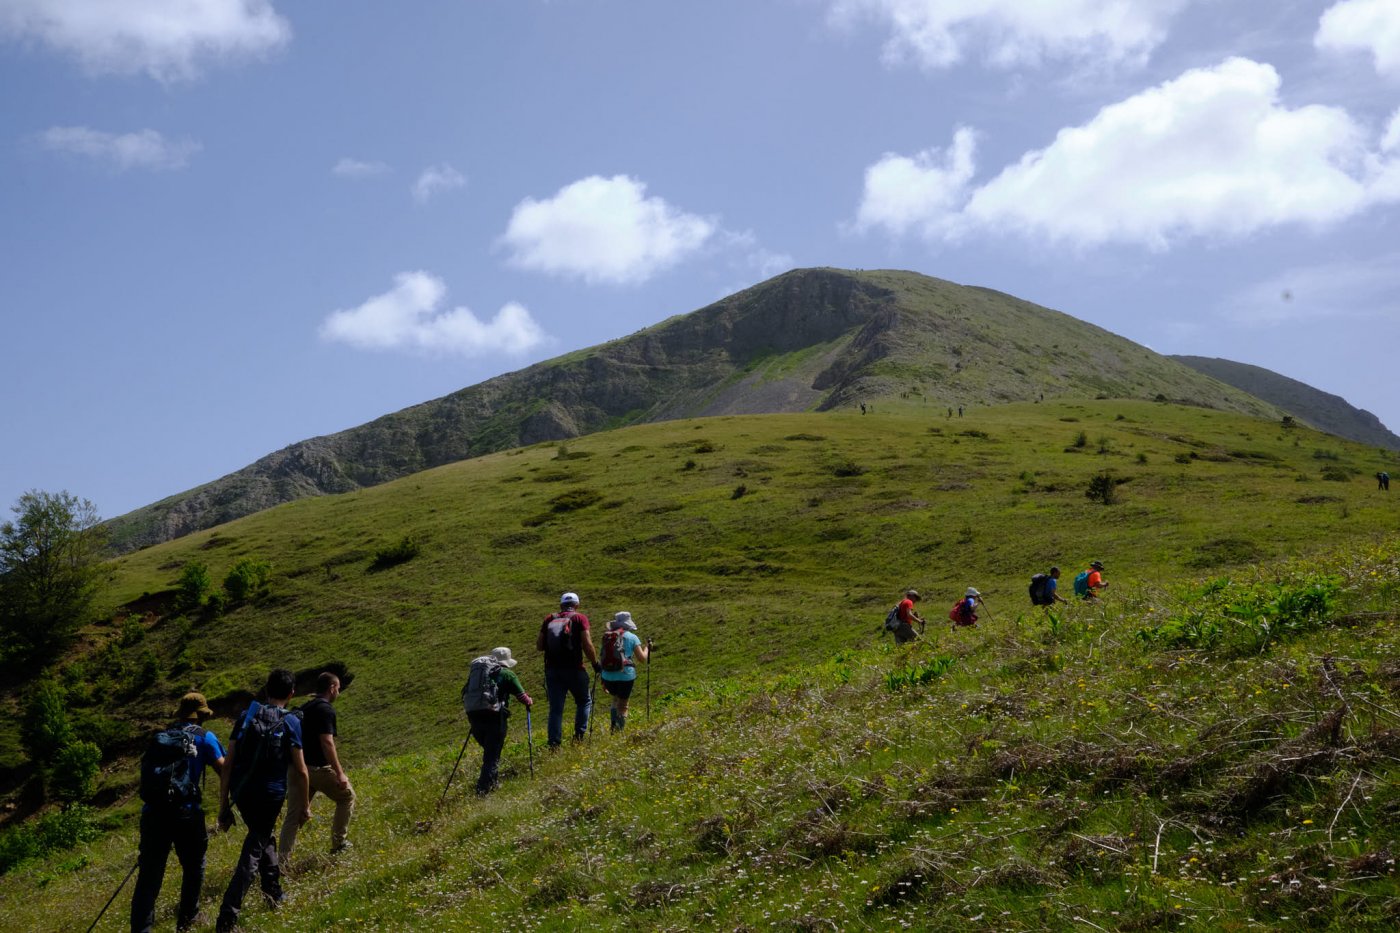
630,643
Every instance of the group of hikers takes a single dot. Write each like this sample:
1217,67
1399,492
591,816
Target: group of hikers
1044,591
1383,481
274,750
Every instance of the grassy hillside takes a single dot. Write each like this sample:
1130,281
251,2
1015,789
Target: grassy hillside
810,339
784,774
1322,410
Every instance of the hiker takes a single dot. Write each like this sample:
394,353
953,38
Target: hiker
1383,481
172,786
1089,582
862,408
964,612
325,772
264,756
486,698
621,649
564,639
1045,588
904,612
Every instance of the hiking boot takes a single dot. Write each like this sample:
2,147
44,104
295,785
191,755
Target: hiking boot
274,902
346,844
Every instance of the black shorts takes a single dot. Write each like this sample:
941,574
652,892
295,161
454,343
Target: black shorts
622,689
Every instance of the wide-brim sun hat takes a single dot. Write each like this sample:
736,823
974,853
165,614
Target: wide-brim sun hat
972,591
568,598
623,620
502,657
193,704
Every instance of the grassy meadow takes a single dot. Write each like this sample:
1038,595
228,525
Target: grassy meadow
1139,764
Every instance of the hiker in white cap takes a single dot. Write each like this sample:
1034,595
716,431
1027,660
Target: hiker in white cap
565,641
963,611
486,698
622,648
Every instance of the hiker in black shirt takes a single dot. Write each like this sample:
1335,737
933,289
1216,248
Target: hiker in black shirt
325,772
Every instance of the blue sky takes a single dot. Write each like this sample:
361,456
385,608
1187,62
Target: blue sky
229,225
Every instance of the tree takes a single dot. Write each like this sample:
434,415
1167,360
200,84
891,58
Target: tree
45,728
50,570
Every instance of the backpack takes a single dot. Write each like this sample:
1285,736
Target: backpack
262,749
481,693
614,659
170,767
961,615
892,619
561,642
1039,592
1081,584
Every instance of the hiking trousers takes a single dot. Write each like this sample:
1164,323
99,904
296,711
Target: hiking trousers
322,780
259,857
161,829
559,684
489,730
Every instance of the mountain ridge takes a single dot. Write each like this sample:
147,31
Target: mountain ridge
810,339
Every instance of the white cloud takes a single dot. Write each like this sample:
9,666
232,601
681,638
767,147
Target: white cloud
1363,26
412,317
1212,152
166,39
919,192
434,180
603,230
143,149
1010,33
354,168
1390,142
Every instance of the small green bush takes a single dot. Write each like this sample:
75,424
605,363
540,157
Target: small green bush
1080,440
1336,474
1247,618
73,775
52,832
846,468
195,585
575,499
401,552
45,728
132,632
247,580
1102,489
739,491
919,675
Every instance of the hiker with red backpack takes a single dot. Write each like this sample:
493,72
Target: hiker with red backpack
964,612
622,647
486,700
172,815
565,641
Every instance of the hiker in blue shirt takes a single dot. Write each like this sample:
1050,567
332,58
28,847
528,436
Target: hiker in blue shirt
622,647
264,750
173,815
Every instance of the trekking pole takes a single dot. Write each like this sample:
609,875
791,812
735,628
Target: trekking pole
454,772
649,686
114,895
530,741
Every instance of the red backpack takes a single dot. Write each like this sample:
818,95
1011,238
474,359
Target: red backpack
960,614
613,658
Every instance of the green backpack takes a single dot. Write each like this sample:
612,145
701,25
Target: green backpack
1081,584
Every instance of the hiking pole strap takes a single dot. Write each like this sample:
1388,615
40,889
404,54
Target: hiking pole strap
114,894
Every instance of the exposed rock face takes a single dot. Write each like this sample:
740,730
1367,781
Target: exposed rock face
812,339
1322,410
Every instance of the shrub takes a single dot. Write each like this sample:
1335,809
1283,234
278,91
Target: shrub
45,728
132,631
1080,440
1102,489
575,499
739,491
1183,458
689,465
401,552
846,468
1336,474
1142,458
73,775
61,829
247,580
194,585
1247,618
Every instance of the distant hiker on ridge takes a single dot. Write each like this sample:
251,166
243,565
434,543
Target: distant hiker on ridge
621,649
486,699
904,632
1044,588
264,751
564,639
326,773
1383,481
172,778
1089,582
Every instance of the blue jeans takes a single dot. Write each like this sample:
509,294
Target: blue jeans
559,683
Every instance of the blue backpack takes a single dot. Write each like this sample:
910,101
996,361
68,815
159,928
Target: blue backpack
1081,584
